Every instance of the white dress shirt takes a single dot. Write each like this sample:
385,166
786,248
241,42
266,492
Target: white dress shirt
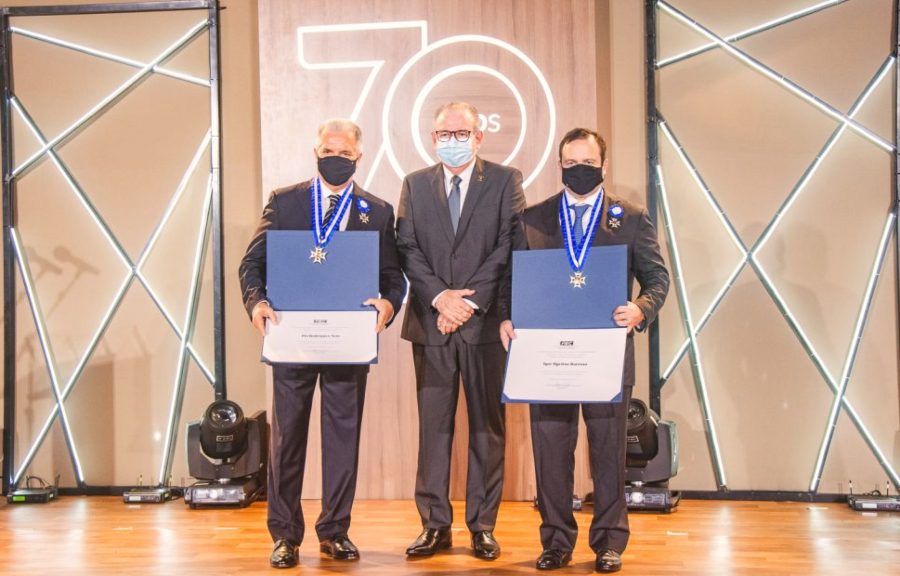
465,178
325,192
590,200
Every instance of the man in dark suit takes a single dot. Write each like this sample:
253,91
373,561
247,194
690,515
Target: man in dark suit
554,427
454,232
343,387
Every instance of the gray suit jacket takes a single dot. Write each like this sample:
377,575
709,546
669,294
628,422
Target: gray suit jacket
635,230
476,257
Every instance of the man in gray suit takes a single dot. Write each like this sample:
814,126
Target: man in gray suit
554,427
455,224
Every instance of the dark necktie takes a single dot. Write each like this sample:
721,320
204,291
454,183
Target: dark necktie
454,200
577,225
333,200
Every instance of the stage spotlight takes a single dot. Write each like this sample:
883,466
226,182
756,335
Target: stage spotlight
651,458
223,430
227,453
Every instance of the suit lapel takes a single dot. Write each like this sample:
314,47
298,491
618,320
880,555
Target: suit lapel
439,197
473,196
302,207
603,235
353,222
556,238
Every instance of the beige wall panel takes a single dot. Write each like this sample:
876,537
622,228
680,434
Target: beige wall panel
818,258
751,141
680,405
873,393
877,113
74,281
708,254
132,158
753,179
726,17
756,392
626,132
841,50
722,17
241,172
294,101
124,397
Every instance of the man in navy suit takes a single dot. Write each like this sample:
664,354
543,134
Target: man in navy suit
343,387
455,224
554,427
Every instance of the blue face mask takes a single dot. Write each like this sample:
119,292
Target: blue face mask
454,153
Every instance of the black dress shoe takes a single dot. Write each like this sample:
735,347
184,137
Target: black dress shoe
284,555
339,547
431,540
485,545
553,559
608,561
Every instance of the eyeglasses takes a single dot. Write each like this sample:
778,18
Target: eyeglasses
460,135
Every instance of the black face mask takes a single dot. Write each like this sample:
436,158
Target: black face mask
336,169
582,178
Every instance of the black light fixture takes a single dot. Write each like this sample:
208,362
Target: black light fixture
227,453
651,459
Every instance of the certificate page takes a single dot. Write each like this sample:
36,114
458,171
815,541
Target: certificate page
565,365
322,337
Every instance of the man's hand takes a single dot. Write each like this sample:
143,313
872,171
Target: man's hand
385,312
628,316
451,305
261,311
446,326
507,333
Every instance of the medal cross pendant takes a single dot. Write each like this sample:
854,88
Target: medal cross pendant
317,255
578,280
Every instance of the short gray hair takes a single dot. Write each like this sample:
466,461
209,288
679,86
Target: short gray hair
340,125
465,106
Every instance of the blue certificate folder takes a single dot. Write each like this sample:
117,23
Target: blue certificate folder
543,297
347,277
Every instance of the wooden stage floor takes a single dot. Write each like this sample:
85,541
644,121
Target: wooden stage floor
102,535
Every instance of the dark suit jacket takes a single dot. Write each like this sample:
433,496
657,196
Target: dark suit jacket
542,231
289,209
476,257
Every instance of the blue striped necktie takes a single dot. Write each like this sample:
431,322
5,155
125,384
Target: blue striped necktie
578,224
454,201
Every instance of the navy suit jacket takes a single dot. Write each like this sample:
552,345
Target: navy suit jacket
289,209
541,230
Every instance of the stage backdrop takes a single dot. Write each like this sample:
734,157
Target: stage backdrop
528,66
778,211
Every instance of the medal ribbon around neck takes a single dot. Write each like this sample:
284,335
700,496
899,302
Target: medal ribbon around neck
322,237
578,254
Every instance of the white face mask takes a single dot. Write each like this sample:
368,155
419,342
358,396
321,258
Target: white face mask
454,153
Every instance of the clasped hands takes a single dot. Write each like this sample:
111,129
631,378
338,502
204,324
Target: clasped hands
626,316
262,312
453,310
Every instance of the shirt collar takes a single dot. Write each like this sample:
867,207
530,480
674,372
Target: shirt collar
325,191
465,175
590,200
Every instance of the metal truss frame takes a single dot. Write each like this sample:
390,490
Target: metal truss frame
16,259
657,126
